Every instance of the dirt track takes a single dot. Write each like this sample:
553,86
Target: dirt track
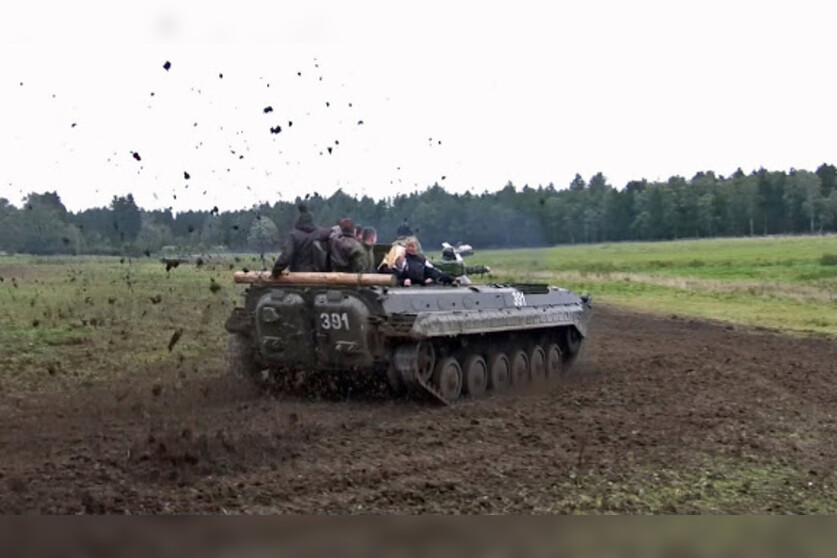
651,395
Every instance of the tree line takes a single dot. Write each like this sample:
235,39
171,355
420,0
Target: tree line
707,205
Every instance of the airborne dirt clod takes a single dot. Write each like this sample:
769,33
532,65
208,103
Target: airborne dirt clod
663,415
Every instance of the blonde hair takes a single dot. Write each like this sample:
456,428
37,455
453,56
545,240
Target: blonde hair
392,256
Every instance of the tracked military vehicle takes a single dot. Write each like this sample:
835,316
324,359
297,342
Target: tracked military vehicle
442,341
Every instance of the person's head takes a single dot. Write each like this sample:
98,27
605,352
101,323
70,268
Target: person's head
346,226
369,236
411,246
394,257
404,229
358,232
304,218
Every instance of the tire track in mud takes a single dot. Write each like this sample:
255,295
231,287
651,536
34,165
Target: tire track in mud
651,393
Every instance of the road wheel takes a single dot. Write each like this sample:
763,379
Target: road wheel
553,362
520,368
476,376
499,372
447,378
537,365
394,381
425,360
572,342
241,358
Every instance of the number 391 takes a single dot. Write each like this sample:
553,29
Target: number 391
334,320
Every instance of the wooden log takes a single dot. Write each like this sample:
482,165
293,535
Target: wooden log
316,278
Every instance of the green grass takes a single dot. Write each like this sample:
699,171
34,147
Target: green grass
788,283
707,485
70,320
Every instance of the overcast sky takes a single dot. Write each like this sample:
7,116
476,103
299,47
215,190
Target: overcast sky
468,94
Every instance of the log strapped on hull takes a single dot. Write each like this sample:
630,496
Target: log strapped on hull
316,278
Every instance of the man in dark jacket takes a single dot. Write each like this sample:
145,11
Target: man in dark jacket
299,253
347,254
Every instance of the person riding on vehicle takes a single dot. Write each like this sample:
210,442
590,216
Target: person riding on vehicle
411,268
299,250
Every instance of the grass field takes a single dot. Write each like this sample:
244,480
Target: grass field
67,323
789,283
71,319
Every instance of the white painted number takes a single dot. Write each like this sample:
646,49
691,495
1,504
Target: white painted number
519,298
334,320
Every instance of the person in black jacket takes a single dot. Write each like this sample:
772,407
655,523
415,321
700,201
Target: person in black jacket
414,269
300,253
346,253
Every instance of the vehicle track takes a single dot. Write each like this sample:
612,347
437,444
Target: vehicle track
650,394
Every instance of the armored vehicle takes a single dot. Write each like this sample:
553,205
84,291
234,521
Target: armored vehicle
443,341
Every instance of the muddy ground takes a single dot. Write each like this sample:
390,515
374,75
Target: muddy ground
663,415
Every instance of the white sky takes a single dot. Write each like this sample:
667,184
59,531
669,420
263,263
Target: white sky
531,92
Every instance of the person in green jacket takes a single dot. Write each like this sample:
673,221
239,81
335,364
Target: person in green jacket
368,238
346,253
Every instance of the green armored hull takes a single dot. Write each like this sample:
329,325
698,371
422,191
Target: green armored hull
447,341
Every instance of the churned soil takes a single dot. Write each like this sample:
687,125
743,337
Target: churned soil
653,402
